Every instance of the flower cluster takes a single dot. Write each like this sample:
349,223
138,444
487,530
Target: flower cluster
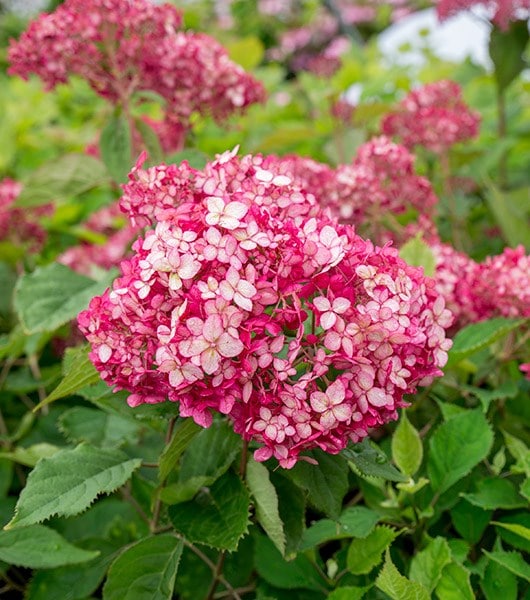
248,300
434,116
501,11
124,46
87,257
20,226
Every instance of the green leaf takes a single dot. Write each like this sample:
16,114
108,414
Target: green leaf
407,448
68,482
291,506
511,218
348,592
53,295
145,570
266,501
355,521
507,52
80,424
520,451
417,253
61,179
246,51
31,455
81,372
116,147
493,493
366,553
207,457
520,530
195,158
217,517
184,432
470,521
370,461
426,567
150,140
325,482
477,336
513,561
398,587
293,574
449,459
454,583
515,536
498,583
507,390
39,547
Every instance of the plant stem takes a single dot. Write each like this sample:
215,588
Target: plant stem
153,523
502,130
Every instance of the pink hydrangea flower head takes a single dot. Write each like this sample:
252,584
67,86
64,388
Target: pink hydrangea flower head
501,11
125,46
434,116
245,298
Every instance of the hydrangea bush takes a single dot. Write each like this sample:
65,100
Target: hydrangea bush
272,351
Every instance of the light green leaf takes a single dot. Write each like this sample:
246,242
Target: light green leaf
266,500
366,553
426,567
217,517
520,451
520,530
417,253
506,390
184,432
291,506
81,424
68,482
513,561
493,493
355,521
454,583
478,336
53,295
407,448
115,146
506,208
58,181
398,587
325,482
145,571
81,372
449,459
348,592
246,51
31,455
39,547
368,460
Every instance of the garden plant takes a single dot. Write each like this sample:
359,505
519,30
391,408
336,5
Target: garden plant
264,304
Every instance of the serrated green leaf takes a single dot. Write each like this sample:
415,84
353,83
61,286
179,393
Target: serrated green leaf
217,517
289,575
366,553
182,436
61,179
426,567
370,461
498,583
520,530
291,506
507,390
325,482
454,583
493,493
266,501
417,253
145,571
520,451
53,295
80,374
513,561
115,146
407,448
31,455
470,521
449,460
397,586
39,547
68,482
355,521
349,592
477,336
80,424
506,50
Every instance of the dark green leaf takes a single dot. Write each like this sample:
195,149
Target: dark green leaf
470,521
145,570
150,140
511,218
39,547
449,460
218,516
370,461
493,493
291,505
115,146
507,51
513,561
184,432
366,553
498,582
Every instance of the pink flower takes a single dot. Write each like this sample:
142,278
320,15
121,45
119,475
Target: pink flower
329,311
331,405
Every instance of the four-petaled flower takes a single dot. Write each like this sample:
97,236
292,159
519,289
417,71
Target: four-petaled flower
329,311
331,405
225,215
